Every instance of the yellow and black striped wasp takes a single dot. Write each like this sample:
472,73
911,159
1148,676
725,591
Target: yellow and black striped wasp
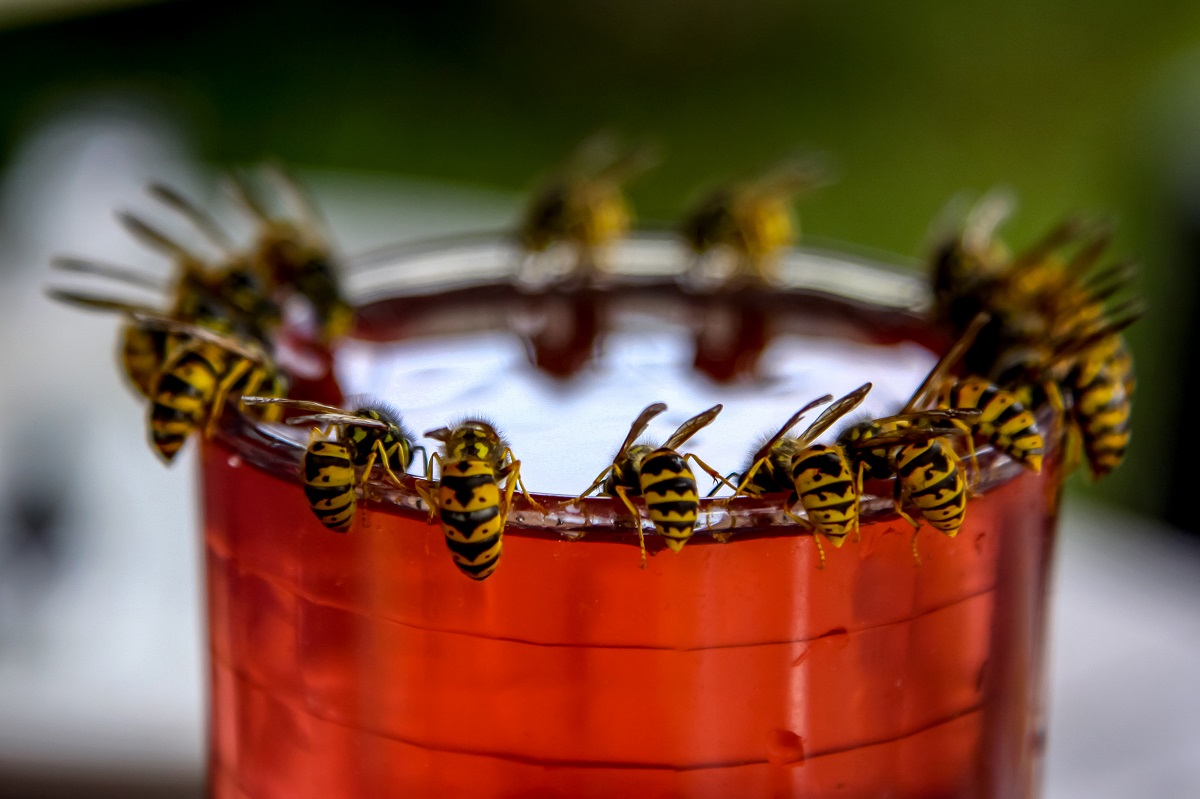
473,462
753,220
294,256
1086,377
915,448
583,206
196,380
822,477
660,475
343,447
1003,420
198,371
226,298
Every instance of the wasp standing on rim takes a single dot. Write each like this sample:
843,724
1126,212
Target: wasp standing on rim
197,379
822,477
661,475
343,447
474,460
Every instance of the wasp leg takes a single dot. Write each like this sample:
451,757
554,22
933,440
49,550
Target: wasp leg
364,483
513,472
514,466
1068,441
637,521
969,436
808,525
425,492
222,393
711,472
599,481
858,484
424,457
379,450
717,486
898,503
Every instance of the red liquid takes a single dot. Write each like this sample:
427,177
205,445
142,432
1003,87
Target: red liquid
367,665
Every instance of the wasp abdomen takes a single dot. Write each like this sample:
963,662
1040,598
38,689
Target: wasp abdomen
827,489
672,499
1004,422
181,399
1102,413
329,484
469,501
932,477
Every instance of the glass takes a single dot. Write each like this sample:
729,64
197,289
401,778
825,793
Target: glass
366,664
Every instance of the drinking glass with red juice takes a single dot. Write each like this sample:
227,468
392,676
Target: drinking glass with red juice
366,664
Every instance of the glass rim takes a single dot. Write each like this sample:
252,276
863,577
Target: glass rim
419,268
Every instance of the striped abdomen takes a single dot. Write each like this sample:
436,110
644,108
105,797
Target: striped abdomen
930,475
825,482
143,350
329,484
468,500
672,500
1100,409
1004,422
182,396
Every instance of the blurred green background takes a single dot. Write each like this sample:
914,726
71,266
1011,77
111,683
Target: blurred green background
1074,105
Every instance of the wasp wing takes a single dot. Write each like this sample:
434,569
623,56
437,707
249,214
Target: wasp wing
691,426
937,374
765,449
831,414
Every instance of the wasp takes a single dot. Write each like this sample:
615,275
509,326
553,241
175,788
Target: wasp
823,478
1039,294
1002,420
191,385
1087,378
343,447
660,475
914,447
293,255
197,379
227,299
473,462
752,220
583,206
